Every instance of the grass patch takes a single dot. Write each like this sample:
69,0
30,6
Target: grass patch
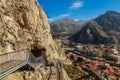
73,72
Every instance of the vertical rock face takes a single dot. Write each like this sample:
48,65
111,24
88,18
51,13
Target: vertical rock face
23,24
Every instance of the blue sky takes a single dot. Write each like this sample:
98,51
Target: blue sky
78,9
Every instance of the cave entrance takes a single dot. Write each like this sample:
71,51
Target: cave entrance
39,52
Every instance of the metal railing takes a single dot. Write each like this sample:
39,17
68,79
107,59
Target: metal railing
17,55
10,62
59,68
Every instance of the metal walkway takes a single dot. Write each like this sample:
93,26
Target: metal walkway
11,62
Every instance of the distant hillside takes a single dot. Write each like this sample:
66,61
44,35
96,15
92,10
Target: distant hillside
66,26
109,21
92,33
103,29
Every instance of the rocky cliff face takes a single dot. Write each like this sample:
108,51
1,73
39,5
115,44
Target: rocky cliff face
23,24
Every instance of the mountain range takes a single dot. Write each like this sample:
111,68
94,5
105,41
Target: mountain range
105,29
109,21
66,26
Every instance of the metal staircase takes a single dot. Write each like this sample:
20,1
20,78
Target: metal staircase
36,63
11,62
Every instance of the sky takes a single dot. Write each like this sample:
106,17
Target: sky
77,9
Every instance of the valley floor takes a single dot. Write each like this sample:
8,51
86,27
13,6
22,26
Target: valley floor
99,70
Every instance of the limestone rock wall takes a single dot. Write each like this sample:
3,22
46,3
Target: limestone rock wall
23,24
26,75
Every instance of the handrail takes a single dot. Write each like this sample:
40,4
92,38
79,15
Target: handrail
18,55
13,52
21,55
59,67
28,56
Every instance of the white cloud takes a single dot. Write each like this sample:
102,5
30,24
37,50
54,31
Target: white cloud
76,5
64,15
76,20
59,17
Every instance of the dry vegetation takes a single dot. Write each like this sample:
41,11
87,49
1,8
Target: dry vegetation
73,72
